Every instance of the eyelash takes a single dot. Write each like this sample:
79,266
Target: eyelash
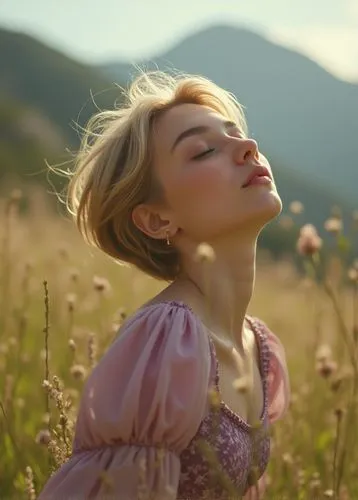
203,154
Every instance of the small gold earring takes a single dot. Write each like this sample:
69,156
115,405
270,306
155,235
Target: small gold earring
168,240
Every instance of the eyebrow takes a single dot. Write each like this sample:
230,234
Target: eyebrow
199,129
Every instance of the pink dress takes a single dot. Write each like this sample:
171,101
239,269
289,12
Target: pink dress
146,422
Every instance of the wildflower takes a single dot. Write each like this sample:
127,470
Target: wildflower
353,275
333,225
315,485
56,451
296,207
339,413
241,384
286,222
78,372
71,393
287,459
71,299
101,284
353,272
30,487
323,353
301,477
63,419
205,253
72,345
114,328
308,242
46,384
16,195
91,349
43,437
326,368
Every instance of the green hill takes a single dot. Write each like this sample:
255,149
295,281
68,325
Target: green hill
60,88
43,94
26,139
45,98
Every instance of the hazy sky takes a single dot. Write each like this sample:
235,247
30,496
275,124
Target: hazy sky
326,30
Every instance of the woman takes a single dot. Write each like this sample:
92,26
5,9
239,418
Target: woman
180,405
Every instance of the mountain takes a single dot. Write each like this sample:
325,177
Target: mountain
26,138
300,114
55,86
42,93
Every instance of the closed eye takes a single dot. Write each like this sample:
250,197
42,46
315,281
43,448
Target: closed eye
203,154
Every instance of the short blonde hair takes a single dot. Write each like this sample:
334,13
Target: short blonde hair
113,169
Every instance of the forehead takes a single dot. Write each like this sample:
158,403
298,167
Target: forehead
179,118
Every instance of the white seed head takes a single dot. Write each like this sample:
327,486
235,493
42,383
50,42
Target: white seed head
205,253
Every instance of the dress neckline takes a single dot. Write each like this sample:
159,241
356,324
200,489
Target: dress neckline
262,347
263,369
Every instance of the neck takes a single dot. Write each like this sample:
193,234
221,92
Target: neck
225,287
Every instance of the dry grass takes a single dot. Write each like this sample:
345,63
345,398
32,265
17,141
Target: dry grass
62,304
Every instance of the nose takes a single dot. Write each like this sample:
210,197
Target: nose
245,150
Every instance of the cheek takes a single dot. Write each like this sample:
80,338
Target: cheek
198,186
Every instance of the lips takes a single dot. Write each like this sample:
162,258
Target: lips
258,171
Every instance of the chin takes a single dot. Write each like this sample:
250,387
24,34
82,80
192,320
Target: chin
268,209
276,203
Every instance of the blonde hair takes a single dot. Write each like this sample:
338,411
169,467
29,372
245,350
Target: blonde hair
113,169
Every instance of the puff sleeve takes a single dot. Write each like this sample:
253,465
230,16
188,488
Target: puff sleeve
140,408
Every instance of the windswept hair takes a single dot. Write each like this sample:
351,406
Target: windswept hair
114,173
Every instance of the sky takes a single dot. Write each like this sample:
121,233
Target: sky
131,30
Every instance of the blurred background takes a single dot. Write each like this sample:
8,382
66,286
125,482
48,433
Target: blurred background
294,66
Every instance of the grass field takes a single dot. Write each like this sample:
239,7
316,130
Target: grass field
61,306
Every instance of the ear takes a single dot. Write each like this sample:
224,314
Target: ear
152,222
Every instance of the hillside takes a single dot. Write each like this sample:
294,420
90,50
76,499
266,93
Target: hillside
42,93
301,114
26,139
58,87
